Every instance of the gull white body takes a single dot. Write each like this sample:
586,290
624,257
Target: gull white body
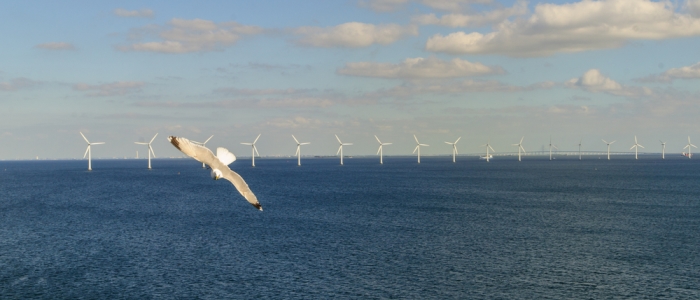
608,147
150,150
418,144
88,152
298,154
340,150
636,146
454,149
254,150
380,152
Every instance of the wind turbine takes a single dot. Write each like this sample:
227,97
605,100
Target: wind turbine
418,144
380,152
579,149
454,148
550,148
663,149
340,150
636,146
520,147
608,147
150,149
298,154
488,156
254,150
88,152
203,144
686,146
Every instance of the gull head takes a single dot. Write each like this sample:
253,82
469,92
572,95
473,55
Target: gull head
216,174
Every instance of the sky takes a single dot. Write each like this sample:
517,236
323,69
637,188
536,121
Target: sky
483,70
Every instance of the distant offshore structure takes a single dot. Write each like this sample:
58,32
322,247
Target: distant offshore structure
380,151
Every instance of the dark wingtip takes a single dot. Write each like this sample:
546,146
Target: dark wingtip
173,140
258,206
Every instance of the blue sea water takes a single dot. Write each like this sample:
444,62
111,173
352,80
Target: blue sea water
538,229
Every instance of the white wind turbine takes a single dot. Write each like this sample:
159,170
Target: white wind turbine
686,146
298,154
380,151
550,148
636,147
340,150
488,146
520,147
663,149
454,148
203,144
88,152
579,149
254,150
608,147
418,144
150,149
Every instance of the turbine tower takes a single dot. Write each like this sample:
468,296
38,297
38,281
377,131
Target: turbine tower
608,147
340,150
454,148
550,148
636,146
88,152
520,147
254,150
150,149
488,146
380,151
298,154
663,149
204,144
686,146
418,144
579,149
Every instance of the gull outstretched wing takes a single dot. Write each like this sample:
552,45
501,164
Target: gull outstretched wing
204,155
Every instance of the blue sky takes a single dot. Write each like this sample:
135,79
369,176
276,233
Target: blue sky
485,70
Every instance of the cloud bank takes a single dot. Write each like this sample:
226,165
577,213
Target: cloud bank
419,68
352,35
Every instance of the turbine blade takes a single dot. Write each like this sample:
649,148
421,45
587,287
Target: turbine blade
414,150
641,146
151,149
88,149
256,139
686,146
417,142
633,147
347,144
256,150
455,147
208,139
341,147
337,138
521,148
387,144
612,142
424,145
139,143
154,137
458,139
449,143
304,143
491,148
89,141
604,141
98,143
521,139
248,144
693,146
375,136
297,153
380,149
635,139
295,139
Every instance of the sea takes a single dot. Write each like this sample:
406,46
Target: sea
536,229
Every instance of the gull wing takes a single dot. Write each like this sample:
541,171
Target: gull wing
225,156
240,185
198,152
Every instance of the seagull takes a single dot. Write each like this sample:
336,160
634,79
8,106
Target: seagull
218,164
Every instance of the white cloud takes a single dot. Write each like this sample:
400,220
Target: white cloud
56,46
143,13
408,90
186,36
414,68
16,84
260,92
353,35
393,5
693,7
573,27
110,89
466,20
687,72
596,82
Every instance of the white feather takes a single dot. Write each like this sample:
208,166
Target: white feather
225,156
